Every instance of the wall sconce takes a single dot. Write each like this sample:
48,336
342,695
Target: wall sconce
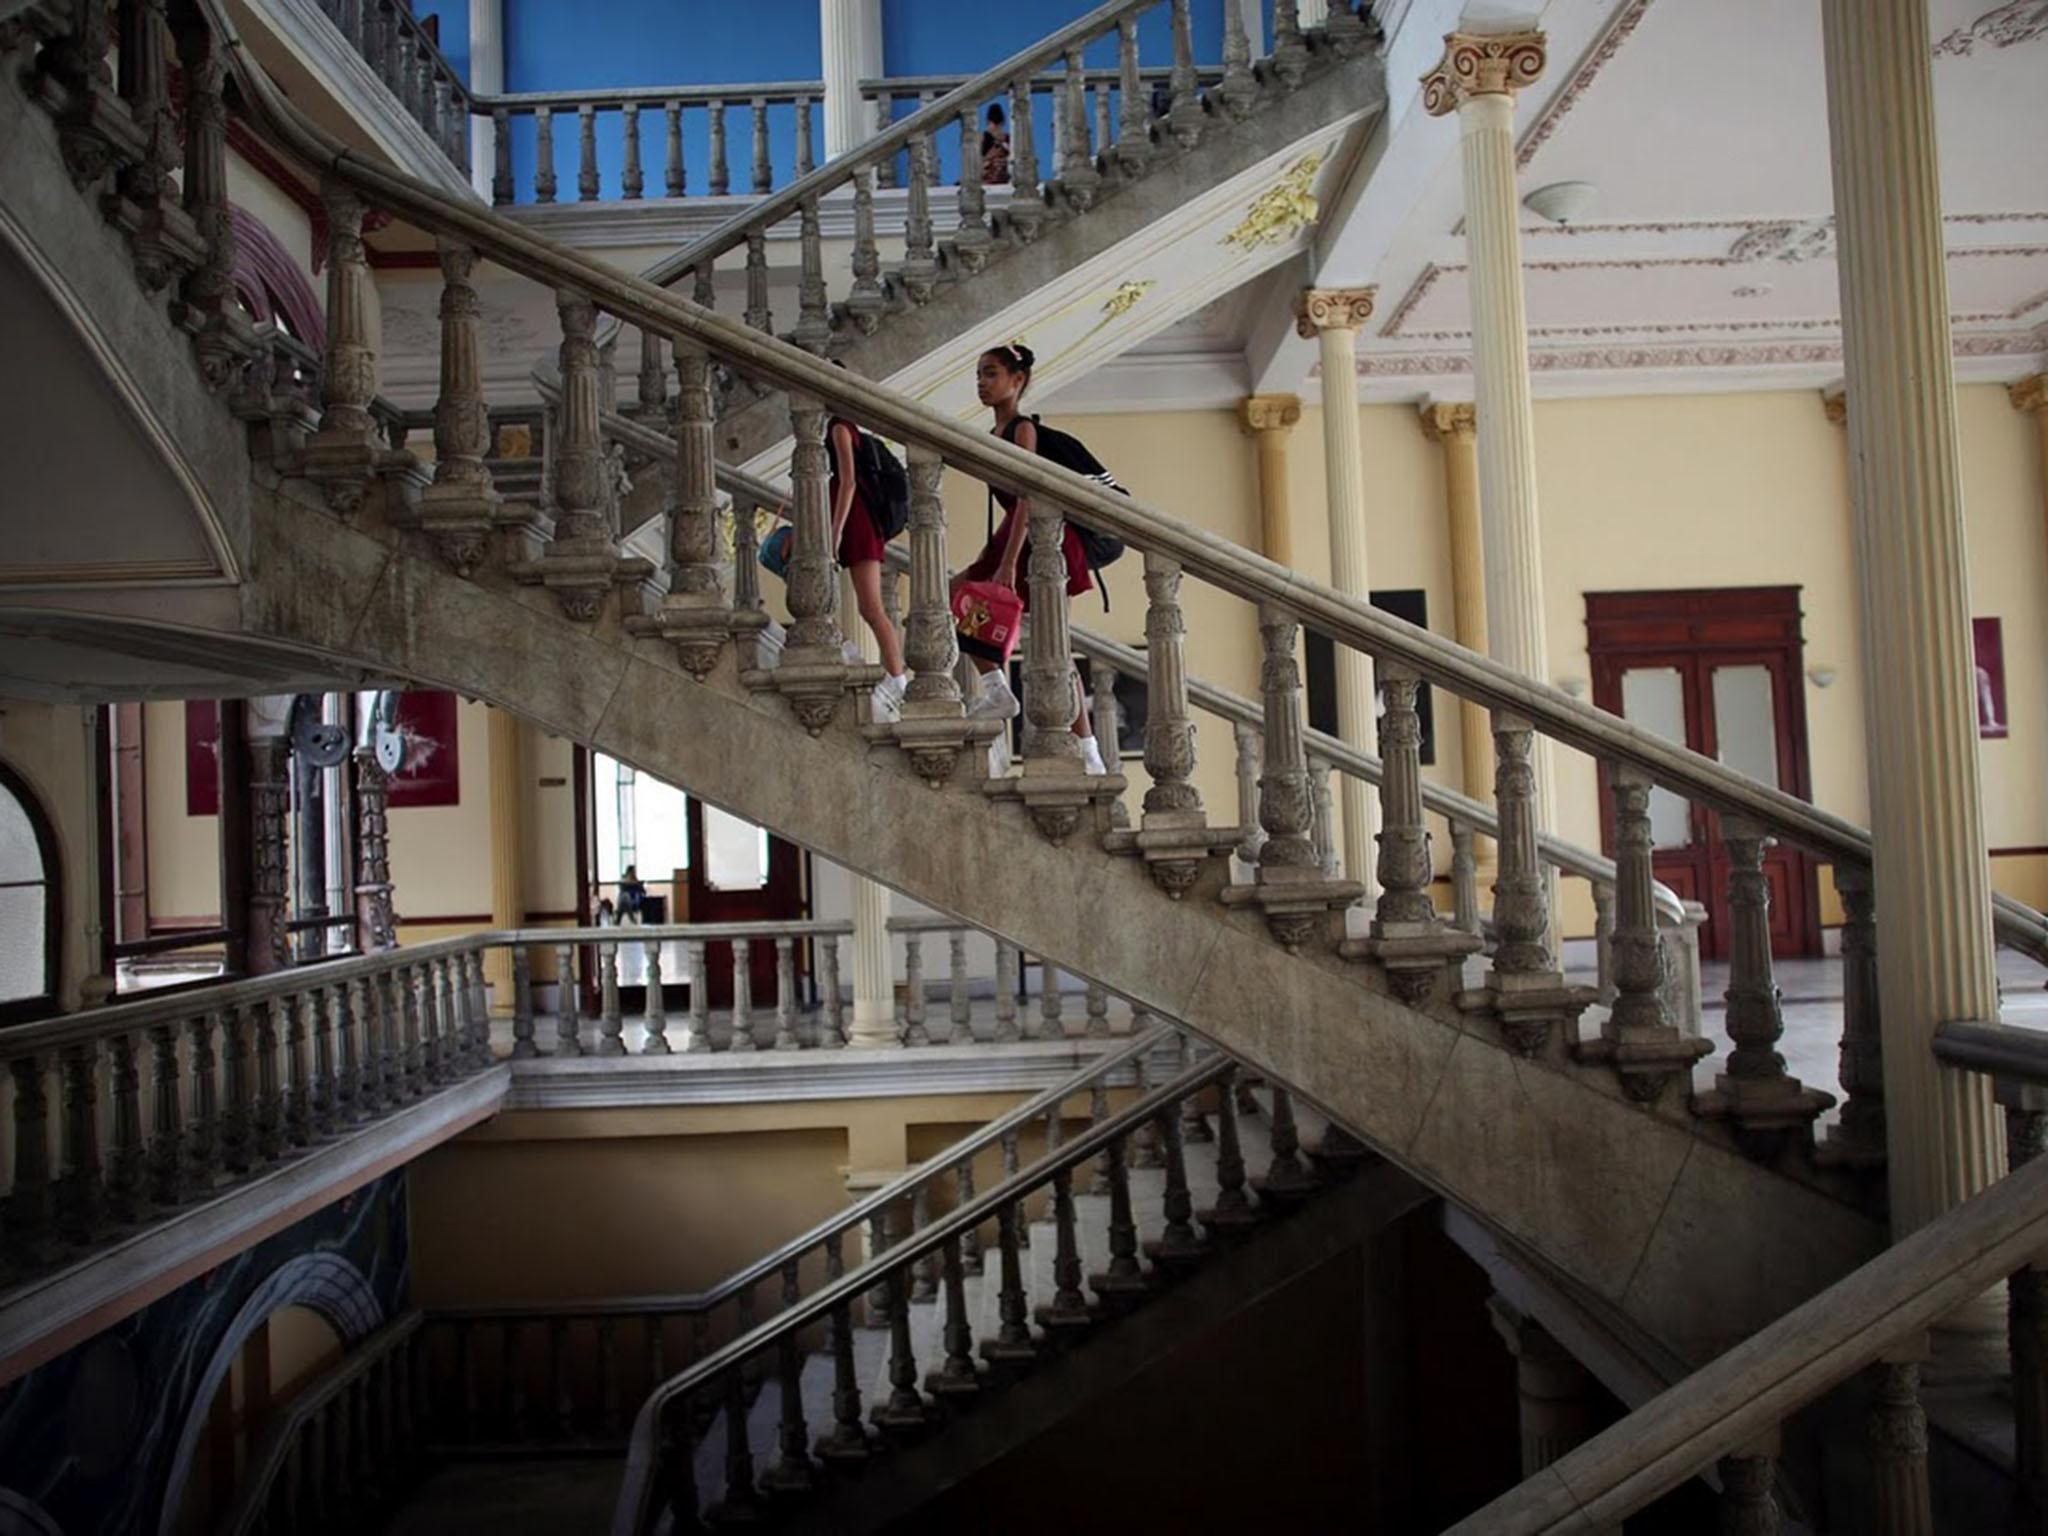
1821,676
1575,686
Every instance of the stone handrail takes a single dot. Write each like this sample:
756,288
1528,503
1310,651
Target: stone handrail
1746,1393
919,85
389,1352
636,1512
778,92
2005,1051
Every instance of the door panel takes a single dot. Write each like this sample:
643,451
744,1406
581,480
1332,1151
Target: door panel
740,874
1721,673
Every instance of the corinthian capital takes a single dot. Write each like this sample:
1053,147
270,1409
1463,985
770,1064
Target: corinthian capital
1322,309
1443,419
1478,64
2030,394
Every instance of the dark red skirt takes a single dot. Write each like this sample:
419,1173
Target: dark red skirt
860,539
1079,579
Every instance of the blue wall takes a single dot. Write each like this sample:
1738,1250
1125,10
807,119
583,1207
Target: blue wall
454,18
550,46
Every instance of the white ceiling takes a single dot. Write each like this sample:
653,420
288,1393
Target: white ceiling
1705,259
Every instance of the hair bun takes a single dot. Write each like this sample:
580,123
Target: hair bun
1024,354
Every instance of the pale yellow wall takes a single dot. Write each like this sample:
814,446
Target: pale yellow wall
184,851
550,823
303,1344
46,745
251,190
441,855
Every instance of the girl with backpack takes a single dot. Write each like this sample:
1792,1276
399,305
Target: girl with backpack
860,544
1001,377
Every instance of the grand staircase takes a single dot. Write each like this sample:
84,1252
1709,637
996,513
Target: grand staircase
1565,1122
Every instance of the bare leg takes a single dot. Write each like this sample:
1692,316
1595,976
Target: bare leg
867,596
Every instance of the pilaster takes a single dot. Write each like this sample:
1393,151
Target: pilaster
1269,420
1453,425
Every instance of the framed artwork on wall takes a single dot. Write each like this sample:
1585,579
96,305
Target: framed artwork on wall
1989,646
432,771
202,757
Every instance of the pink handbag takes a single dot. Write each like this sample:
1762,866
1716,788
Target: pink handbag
988,615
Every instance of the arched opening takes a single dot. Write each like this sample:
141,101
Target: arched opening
285,1354
31,905
271,286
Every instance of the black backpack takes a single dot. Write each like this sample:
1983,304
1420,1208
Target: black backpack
1069,452
884,485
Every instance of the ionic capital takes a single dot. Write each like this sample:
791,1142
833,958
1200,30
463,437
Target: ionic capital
1478,64
1835,403
1443,420
1322,309
1268,413
2030,394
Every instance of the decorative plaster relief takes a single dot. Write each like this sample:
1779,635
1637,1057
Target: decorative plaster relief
1790,240
2006,26
1603,51
1281,211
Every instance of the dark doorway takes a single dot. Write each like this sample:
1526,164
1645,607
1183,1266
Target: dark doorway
1721,671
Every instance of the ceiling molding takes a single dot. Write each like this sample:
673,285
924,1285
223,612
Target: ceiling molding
1597,58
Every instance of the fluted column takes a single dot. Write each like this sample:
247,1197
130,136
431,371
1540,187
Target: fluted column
2031,395
1455,427
851,34
1332,317
1553,1391
1268,420
508,852
1933,884
1478,78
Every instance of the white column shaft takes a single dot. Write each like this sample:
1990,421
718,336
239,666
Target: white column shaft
851,34
1505,417
486,78
1357,721
874,957
1933,888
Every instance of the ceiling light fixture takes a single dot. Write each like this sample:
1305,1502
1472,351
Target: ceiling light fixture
1561,202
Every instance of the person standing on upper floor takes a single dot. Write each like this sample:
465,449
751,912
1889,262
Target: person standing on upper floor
995,148
1001,377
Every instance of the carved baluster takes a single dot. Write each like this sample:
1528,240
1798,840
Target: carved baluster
1464,880
832,1035
793,1471
1124,1280
1068,1308
1146,1149
813,585
971,237
693,614
1408,938
657,1008
1051,686
522,1004
1102,708
1239,90
1638,1039
568,1024
1345,29
920,269
806,153
296,1109
846,1441
865,301
1521,915
742,995
885,117
904,1409
1098,1111
350,1090
1251,836
764,171
1134,125
1287,1176
632,182
324,1025
924,1275
1006,994
1103,140
959,1013
168,1182
1172,833
1749,1497
758,315
611,1027
238,1091
1286,807
1079,179
813,322
674,178
1771,1108
970,1240
1012,1343
1027,205
127,1166
914,1031
503,189
1184,117
587,186
346,450
746,553
144,203
1233,1208
440,1041
416,1011
741,1501
79,1193
1051,1003
1858,1137
30,1212
721,174
456,510
697,1037
1178,1243
785,995
1290,50
1897,1435
364,998
580,563
1194,1124
1098,1012
206,306
958,1376
1010,1166
544,155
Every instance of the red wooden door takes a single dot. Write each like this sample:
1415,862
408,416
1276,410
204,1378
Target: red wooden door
1720,672
740,874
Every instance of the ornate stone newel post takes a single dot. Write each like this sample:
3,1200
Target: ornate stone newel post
1174,835
933,728
579,566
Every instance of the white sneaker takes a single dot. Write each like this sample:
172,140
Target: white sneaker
994,701
849,652
999,757
886,702
1091,757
